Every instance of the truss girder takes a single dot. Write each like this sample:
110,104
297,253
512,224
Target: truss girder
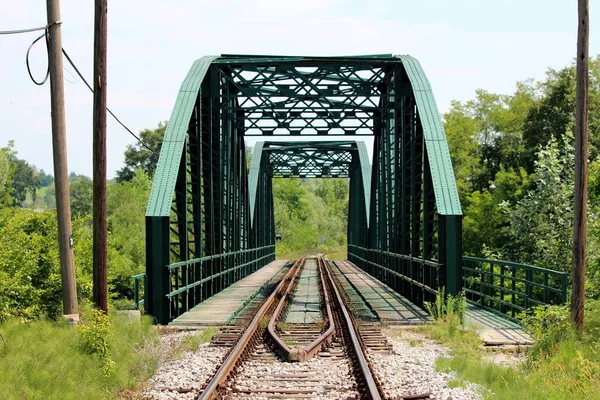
210,223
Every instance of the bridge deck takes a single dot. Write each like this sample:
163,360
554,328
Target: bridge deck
392,308
221,307
383,301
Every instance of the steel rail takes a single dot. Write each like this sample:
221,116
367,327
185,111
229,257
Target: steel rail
372,391
308,351
210,392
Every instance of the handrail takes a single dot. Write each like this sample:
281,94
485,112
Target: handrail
180,264
397,255
208,278
516,265
508,288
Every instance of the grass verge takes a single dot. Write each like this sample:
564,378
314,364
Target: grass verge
570,370
45,360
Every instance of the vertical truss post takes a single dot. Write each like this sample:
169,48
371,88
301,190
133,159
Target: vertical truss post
157,273
450,227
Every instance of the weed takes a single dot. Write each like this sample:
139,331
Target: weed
94,339
447,306
561,366
264,322
456,383
290,343
192,342
282,326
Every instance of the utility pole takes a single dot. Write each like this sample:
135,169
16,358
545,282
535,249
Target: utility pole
59,152
581,167
99,158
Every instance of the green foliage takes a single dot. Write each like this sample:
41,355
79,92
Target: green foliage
310,214
126,224
44,359
138,156
30,285
560,366
540,224
550,326
45,179
94,338
5,176
449,311
81,196
24,181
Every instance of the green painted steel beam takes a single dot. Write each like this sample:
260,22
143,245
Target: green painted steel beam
444,181
163,184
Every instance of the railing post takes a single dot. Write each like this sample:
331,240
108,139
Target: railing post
157,273
136,292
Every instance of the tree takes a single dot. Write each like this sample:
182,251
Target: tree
138,156
45,179
126,225
540,224
25,179
81,196
5,177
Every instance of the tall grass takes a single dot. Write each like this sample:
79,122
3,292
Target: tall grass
560,366
45,360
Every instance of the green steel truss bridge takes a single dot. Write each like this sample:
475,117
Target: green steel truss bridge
210,218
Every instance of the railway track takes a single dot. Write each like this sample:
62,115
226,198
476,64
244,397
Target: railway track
326,359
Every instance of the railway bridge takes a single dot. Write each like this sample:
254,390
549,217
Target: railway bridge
210,217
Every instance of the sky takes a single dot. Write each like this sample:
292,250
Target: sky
463,45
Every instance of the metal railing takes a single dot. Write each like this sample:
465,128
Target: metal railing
508,288
136,290
187,277
416,278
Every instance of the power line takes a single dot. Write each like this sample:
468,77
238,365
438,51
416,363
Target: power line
45,34
17,31
107,109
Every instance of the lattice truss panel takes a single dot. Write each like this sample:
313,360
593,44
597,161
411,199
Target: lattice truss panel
286,99
309,160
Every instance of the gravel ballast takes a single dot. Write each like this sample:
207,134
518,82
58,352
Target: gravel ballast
183,377
410,369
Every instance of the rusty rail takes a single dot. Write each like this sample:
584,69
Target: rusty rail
222,374
370,390
294,354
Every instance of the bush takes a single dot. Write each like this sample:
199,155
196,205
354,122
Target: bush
94,339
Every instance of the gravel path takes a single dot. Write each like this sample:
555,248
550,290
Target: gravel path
182,378
410,369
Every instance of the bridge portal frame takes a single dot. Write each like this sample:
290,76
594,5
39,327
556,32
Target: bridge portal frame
204,229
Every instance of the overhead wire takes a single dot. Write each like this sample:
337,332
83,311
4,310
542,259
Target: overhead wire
17,31
45,35
107,109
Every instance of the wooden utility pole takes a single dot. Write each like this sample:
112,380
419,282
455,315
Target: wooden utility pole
59,152
99,159
581,167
